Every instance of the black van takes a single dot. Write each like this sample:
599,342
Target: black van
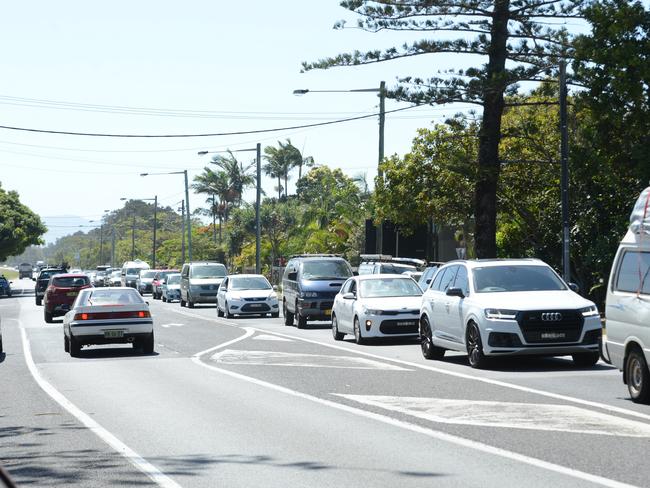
309,285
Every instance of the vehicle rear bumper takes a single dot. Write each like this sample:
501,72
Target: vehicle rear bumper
100,339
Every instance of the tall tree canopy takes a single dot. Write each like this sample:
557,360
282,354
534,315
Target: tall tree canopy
19,226
516,39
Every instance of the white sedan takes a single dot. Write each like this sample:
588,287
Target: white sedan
108,316
246,294
377,306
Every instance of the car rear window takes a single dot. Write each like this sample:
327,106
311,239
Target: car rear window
70,281
120,296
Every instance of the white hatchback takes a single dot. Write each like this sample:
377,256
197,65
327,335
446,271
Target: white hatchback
377,305
507,307
247,294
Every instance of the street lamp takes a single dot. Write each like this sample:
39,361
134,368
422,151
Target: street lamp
258,197
155,226
187,206
382,117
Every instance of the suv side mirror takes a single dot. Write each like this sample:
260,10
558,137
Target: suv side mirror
275,288
349,296
574,288
455,292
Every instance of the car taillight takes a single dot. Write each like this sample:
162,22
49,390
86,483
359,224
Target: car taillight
81,316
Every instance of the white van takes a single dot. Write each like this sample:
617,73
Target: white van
200,282
131,272
627,309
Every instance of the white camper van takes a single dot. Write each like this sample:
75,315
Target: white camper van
627,310
131,272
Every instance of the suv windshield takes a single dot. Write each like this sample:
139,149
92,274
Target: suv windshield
46,275
329,269
133,271
494,279
208,271
389,287
147,274
249,283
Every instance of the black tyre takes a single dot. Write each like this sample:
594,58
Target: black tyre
182,302
39,301
66,343
275,315
190,303
638,377
147,344
338,336
429,350
302,320
75,347
288,316
585,360
219,312
163,298
1,349
358,338
474,345
47,316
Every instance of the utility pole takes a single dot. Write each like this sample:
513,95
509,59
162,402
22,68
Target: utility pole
155,225
183,230
189,218
564,158
258,197
101,244
133,238
113,249
380,173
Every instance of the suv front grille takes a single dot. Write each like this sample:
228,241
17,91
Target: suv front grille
566,327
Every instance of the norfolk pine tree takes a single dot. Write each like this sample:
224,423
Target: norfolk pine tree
516,38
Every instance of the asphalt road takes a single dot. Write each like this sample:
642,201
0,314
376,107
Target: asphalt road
247,402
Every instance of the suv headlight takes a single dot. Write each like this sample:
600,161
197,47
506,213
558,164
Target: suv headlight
500,314
272,296
308,294
590,311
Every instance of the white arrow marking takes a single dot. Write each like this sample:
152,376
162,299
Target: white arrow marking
267,337
273,358
533,416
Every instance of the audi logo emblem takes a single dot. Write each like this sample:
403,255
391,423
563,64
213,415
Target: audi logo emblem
551,316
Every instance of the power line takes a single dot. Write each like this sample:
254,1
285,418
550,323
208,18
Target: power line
215,134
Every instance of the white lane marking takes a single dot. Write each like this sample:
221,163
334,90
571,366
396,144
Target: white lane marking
276,358
533,416
248,332
496,451
267,337
490,381
171,325
133,457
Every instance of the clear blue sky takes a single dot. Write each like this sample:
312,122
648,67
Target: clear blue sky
235,62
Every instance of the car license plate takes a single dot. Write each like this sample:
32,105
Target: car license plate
113,334
406,323
256,305
328,312
553,335
72,293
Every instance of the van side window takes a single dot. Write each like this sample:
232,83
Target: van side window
448,279
634,273
461,280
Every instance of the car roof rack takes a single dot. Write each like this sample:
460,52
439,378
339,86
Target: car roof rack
387,258
315,256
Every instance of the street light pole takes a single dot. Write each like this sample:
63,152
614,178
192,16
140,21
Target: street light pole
133,238
155,225
382,117
183,230
564,158
187,204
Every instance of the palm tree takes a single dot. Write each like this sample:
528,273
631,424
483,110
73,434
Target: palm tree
216,185
239,177
274,167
